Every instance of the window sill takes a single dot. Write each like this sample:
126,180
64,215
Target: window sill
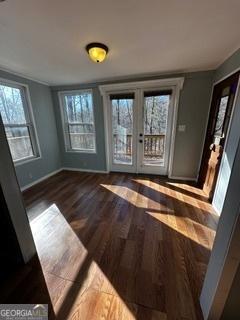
26,160
81,151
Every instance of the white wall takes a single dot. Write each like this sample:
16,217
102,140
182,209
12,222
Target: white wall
14,200
225,257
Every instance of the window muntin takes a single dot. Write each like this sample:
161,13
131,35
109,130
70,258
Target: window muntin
17,122
78,117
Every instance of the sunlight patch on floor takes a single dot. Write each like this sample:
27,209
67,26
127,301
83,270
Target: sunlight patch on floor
187,187
133,197
76,284
177,195
186,227
166,215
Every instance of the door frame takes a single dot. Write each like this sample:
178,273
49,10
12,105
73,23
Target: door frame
174,84
212,110
209,109
119,167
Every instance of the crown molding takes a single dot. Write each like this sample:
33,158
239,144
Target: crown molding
23,76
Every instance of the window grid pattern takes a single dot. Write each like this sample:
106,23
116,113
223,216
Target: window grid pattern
17,122
78,117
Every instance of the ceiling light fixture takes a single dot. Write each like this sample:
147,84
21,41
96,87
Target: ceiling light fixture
97,51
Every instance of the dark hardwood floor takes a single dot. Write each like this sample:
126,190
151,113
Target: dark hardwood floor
121,246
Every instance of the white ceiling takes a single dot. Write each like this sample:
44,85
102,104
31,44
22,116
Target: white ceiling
46,39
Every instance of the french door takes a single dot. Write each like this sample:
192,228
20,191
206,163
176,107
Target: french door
139,130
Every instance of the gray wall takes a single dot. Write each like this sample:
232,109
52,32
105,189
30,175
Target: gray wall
228,66
41,101
225,69
231,308
193,112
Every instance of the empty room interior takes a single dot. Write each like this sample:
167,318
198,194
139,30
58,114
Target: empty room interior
120,159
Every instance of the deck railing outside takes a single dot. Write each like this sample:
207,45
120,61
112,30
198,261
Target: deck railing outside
20,147
85,141
153,146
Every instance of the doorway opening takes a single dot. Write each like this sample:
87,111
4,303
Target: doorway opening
217,130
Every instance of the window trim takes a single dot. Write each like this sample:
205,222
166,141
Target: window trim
65,124
30,120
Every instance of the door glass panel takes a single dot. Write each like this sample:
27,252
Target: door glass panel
156,106
220,119
122,128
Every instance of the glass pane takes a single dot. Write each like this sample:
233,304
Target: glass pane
19,142
220,117
155,128
79,108
82,137
11,105
79,112
122,130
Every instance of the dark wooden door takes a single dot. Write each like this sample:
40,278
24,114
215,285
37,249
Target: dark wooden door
218,123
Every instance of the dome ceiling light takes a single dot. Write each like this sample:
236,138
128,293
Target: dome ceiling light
97,51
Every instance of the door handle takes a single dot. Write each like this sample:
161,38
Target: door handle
212,147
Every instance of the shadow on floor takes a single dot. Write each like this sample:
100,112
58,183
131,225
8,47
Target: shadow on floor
153,261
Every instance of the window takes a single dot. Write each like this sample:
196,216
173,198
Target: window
78,121
221,117
18,122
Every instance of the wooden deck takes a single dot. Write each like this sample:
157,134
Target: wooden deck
121,246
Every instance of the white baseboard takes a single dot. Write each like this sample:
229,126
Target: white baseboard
39,180
56,171
88,170
84,170
183,178
105,171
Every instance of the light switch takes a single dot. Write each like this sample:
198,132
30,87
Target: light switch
182,128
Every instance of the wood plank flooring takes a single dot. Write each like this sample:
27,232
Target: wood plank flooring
121,246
